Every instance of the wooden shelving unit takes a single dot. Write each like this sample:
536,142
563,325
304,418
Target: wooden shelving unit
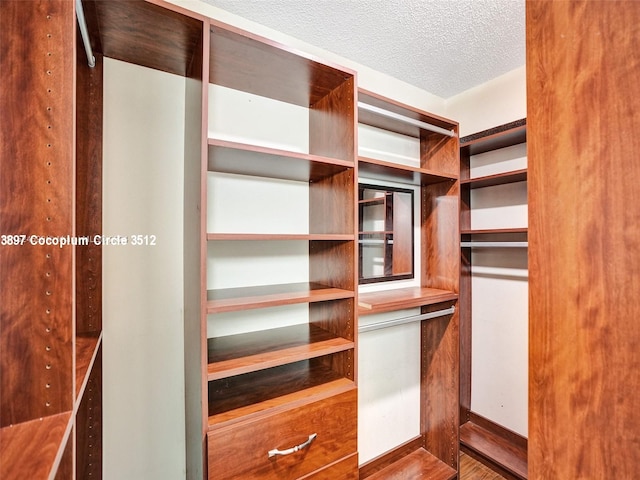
434,454
486,441
270,371
51,310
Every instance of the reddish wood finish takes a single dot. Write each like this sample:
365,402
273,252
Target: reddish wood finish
86,348
497,179
239,58
441,236
399,298
495,138
65,467
368,118
346,469
88,192
30,449
499,137
388,171
241,450
332,122
321,384
144,34
249,352
583,108
388,458
500,453
419,464
329,199
440,385
88,425
233,157
243,298
36,198
232,398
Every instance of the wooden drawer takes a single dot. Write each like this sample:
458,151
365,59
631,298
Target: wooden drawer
240,451
345,469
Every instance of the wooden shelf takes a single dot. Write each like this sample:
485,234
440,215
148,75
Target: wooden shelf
397,299
396,126
249,352
244,159
494,450
321,237
144,34
507,135
242,397
494,231
256,65
390,171
419,464
86,349
244,298
32,449
496,179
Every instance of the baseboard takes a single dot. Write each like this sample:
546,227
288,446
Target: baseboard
501,449
378,463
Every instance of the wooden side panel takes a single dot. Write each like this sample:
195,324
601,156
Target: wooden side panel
88,193
194,261
440,385
88,427
332,123
441,236
584,238
332,203
36,198
440,153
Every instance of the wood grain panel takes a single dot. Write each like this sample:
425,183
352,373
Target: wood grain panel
388,458
345,469
440,386
333,264
144,34
332,123
240,451
584,238
399,298
88,192
36,198
238,354
331,203
88,427
441,236
419,464
439,152
246,62
30,449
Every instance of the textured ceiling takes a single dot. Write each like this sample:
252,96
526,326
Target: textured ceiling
441,46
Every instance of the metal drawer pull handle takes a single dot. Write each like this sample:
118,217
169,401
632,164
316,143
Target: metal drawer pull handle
289,451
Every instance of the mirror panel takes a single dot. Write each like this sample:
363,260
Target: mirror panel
385,233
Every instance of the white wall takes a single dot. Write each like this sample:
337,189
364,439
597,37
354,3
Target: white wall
499,101
499,376
142,285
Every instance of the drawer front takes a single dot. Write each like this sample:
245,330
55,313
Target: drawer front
346,469
242,450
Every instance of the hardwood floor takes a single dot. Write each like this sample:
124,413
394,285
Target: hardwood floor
471,469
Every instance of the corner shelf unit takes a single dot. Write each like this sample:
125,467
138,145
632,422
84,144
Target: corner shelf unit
434,453
492,444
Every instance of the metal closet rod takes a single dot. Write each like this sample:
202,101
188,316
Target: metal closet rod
84,32
402,118
401,321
